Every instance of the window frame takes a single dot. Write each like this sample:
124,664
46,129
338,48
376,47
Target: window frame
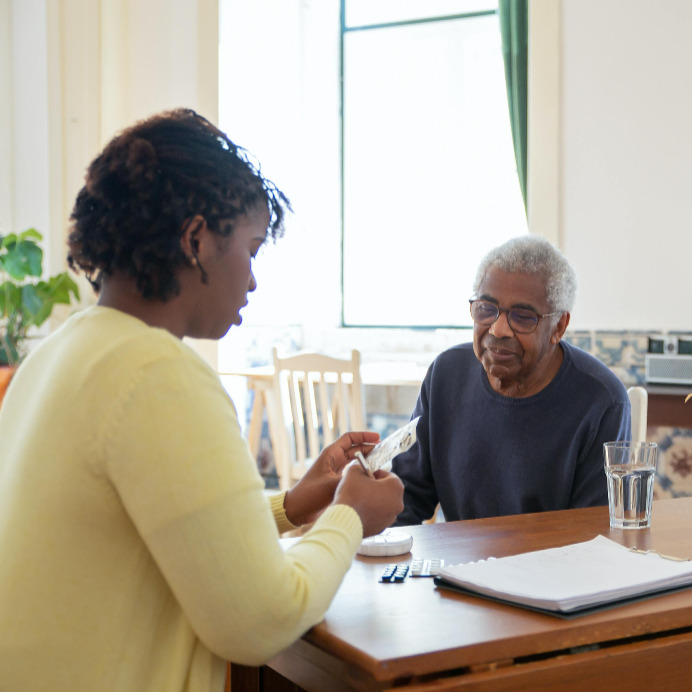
344,31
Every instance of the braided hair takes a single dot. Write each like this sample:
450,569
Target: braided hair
147,185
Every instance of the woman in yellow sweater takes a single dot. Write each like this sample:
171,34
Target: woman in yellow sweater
137,549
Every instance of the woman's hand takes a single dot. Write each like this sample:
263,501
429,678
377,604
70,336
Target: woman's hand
378,501
315,490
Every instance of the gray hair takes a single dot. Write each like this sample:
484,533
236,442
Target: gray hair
532,254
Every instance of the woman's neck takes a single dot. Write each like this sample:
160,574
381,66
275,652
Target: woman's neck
120,293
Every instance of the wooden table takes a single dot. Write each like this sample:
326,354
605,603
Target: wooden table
413,635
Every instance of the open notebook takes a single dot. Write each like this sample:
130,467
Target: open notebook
574,579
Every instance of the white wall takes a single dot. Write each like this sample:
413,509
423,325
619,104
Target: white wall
6,165
26,187
625,161
612,165
72,73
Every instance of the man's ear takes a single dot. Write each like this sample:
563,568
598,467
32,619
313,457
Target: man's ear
190,238
560,328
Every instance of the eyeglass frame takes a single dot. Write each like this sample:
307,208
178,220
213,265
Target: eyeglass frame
508,311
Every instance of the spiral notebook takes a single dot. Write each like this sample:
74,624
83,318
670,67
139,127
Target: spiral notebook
571,580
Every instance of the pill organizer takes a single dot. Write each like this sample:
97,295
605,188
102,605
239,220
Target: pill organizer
394,574
418,567
426,568
389,542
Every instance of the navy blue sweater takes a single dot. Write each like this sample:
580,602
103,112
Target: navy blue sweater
481,454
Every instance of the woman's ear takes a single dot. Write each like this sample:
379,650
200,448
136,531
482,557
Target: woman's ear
190,238
194,242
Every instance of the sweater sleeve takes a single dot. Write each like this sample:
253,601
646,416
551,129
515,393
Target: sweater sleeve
174,453
283,524
590,488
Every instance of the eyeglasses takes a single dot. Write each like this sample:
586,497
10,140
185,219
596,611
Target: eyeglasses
520,320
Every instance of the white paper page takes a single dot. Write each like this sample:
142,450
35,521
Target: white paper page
572,576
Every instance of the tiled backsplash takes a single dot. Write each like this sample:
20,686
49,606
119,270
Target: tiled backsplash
623,353
674,467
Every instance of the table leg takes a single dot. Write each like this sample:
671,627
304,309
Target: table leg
263,679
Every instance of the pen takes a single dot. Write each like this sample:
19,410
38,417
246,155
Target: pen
361,460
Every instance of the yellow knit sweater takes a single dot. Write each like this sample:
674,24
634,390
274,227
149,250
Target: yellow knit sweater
137,549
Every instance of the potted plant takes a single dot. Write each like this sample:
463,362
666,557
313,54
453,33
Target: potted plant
26,300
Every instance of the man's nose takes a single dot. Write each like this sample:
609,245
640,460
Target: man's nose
500,327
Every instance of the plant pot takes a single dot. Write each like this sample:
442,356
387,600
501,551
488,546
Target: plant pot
6,373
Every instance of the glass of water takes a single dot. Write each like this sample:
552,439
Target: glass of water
630,469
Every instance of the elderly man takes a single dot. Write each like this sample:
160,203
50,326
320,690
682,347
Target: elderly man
516,421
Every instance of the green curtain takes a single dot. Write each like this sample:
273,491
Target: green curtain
514,20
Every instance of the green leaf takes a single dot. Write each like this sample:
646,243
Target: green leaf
26,304
10,298
32,302
30,233
8,239
40,302
22,258
61,288
12,238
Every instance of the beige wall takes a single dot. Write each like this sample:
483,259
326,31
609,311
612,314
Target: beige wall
544,194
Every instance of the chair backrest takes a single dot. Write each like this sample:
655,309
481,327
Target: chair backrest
639,401
320,398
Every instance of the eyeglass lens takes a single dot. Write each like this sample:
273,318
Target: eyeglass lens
520,320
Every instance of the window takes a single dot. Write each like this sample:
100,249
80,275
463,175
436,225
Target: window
402,175
429,175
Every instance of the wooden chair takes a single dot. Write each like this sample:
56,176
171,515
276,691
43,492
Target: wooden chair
320,398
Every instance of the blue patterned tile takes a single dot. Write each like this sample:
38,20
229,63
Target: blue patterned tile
582,340
674,465
623,352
